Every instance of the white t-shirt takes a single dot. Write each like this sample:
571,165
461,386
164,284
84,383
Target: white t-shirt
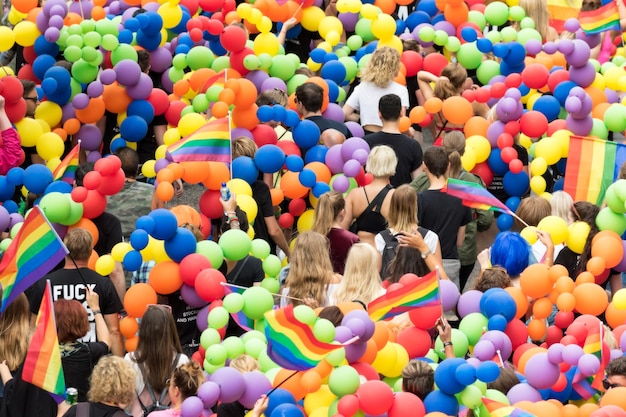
366,95
431,239
284,301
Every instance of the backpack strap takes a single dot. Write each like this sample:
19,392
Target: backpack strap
378,199
83,410
387,236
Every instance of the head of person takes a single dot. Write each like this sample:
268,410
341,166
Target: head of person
418,378
403,209
382,67
309,97
589,5
272,97
143,59
436,161
389,107
82,170
243,146
537,10
245,363
455,76
454,145
79,242
130,161
330,208
15,330
510,251
561,204
332,314
532,209
185,381
381,162
310,267
361,280
494,277
112,381
506,380
71,318
157,345
616,373
585,212
30,96
407,261
64,64
411,45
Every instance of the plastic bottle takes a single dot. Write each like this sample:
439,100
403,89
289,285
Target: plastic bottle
224,192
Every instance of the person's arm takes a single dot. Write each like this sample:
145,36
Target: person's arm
118,279
445,334
102,331
11,150
348,217
424,78
418,171
113,324
350,114
260,406
276,234
229,211
544,237
416,241
159,131
289,23
460,236
5,372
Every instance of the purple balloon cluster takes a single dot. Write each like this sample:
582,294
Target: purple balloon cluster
346,159
578,106
50,20
355,323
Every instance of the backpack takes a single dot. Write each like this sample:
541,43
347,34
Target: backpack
157,404
390,249
84,410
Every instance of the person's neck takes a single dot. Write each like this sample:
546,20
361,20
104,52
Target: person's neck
436,183
390,126
307,114
75,264
131,179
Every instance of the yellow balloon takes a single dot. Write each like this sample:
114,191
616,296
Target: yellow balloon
244,10
354,6
525,141
619,299
549,149
311,18
402,360
248,205
6,72
481,146
333,37
15,17
369,11
189,123
239,187
330,24
538,166
250,232
599,82
319,412
29,131
158,251
537,184
383,26
147,169
266,43
105,265
26,33
160,151
120,250
50,145
265,25
555,226
386,359
612,77
7,38
562,137
322,398
53,163
50,112
530,234
44,125
394,42
312,65
305,221
468,160
171,14
577,236
171,136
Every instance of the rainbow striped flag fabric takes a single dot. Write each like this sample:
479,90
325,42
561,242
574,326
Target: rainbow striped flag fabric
34,251
600,20
291,343
561,10
592,165
474,195
498,409
593,345
210,142
422,293
66,170
42,366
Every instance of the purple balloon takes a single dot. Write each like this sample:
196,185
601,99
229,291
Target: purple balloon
209,392
533,46
356,129
566,46
500,340
571,354
555,353
241,131
446,27
128,72
49,5
192,407
580,127
93,156
115,9
191,297
573,104
15,218
160,164
355,351
494,130
449,294
334,160
361,156
108,76
202,319
142,89
588,364
572,25
90,137
80,100
469,302
166,82
351,145
349,21
273,82
56,22
550,48
616,353
160,59
621,267
579,55
334,112
611,96
370,326
95,89
583,75
5,218
257,77
341,183
591,40
42,22
523,392
356,326
351,168
342,333
231,384
256,384
128,13
484,350
82,8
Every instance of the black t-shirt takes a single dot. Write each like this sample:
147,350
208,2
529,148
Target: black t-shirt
185,317
110,232
23,399
95,410
263,198
78,360
444,215
408,151
230,410
325,124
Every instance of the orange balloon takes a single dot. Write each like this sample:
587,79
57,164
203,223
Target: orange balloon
535,281
291,186
131,344
608,248
165,191
291,383
597,95
404,123
194,172
245,118
433,105
137,299
557,271
599,110
546,408
71,126
387,6
590,299
521,301
277,196
542,308
62,133
24,6
553,295
456,15
176,169
605,233
565,284
323,368
128,327
476,125
569,410
98,13
232,17
165,277
72,19
587,409
217,174
181,87
115,98
566,302
294,10
199,77
247,94
311,381
537,329
614,316
219,109
93,112
165,175
614,396
400,78
417,114
89,226
227,95
585,277
596,265
93,258
381,334
186,214
457,110
322,172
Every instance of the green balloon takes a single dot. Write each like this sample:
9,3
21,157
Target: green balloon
88,25
620,189
352,68
271,284
272,265
459,341
473,326
305,314
235,244
363,29
453,44
494,36
179,61
74,40
75,29
200,103
220,63
469,56
342,95
615,118
72,53
265,363
92,39
256,302
211,251
89,53
123,51
477,18
254,334
336,357
619,60
234,346
324,330
599,129
251,62
487,70
216,355
471,397
607,219
296,81
482,386
354,42
441,37
527,23
259,248
211,368
508,34
209,337
218,317
295,59
233,302
525,35
4,244
432,355
84,72
282,67
106,27
75,87
187,110
265,60
254,347
343,381
213,92
200,57
63,35
56,206
497,13
516,13
426,34
75,213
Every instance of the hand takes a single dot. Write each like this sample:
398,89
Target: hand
414,240
178,188
484,259
5,372
311,302
2,102
444,329
289,23
230,205
260,406
93,300
544,237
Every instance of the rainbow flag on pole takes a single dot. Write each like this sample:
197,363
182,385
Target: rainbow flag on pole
474,195
424,292
600,20
66,170
594,346
42,366
498,409
33,253
209,143
291,343
592,165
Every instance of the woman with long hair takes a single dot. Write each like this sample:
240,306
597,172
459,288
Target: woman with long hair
368,206
537,10
158,353
310,277
183,383
329,213
361,280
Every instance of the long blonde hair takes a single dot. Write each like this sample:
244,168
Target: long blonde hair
382,67
538,11
403,209
310,269
328,208
361,280
15,332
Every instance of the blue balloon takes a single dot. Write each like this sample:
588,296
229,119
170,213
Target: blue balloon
516,184
316,154
216,47
291,118
498,303
485,296
141,108
484,45
333,90
400,27
125,36
294,163
428,6
43,47
561,92
441,402
320,188
139,239
279,113
15,176
444,376
181,27
465,374
36,179
181,244
184,49
243,167
269,158
150,41
517,54
41,64
417,18
132,260
488,371
153,22
549,106
133,128
504,222
286,410
497,322
146,223
276,398
306,134
317,55
117,143
265,113
497,165
513,203
165,224
307,178
330,56
469,35
10,206
334,70
506,69
58,186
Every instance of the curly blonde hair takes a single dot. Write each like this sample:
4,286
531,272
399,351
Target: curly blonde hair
382,67
112,381
188,377
361,280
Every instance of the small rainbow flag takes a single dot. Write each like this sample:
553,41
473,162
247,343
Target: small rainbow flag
422,293
561,10
594,345
498,409
592,165
291,344
600,20
66,170
34,251
42,366
474,195
209,143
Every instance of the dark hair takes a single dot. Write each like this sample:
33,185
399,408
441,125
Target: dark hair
71,318
617,367
130,161
418,378
28,85
82,170
506,380
143,59
390,107
436,160
407,260
332,314
311,96
586,212
494,277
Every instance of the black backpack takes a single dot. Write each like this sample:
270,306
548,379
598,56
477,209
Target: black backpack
390,249
157,404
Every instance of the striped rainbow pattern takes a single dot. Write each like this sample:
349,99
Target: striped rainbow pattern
66,170
474,195
210,142
424,292
600,20
42,366
33,253
561,10
498,409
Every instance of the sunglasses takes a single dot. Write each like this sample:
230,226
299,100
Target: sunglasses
607,385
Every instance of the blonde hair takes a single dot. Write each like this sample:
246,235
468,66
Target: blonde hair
455,75
112,381
244,146
382,67
15,331
188,377
454,145
532,209
361,280
272,97
310,268
80,243
328,208
245,363
403,209
381,162
537,10
561,204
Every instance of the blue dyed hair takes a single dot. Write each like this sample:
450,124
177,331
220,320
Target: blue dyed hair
510,251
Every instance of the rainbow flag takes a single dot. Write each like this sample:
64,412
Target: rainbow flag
498,409
592,165
209,143
474,195
66,170
243,321
561,10
42,366
600,20
291,344
34,251
424,292
593,345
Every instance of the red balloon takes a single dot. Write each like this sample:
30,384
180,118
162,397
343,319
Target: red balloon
12,89
289,147
412,61
498,90
286,220
435,63
112,184
79,194
556,78
484,172
375,397
554,335
512,127
482,95
558,124
505,140
26,73
236,59
92,180
425,317
415,341
563,319
577,330
15,111
208,284
173,112
533,124
211,5
517,332
513,80
191,265
209,204
535,76
94,205
569,340
469,95
508,154
366,370
348,405
297,207
263,135
233,38
406,404
158,99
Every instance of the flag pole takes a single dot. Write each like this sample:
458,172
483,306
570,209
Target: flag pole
281,383
226,284
230,135
518,218
439,287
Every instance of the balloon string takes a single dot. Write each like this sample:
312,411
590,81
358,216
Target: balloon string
283,381
226,284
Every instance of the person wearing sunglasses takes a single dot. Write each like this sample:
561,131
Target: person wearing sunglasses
615,374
